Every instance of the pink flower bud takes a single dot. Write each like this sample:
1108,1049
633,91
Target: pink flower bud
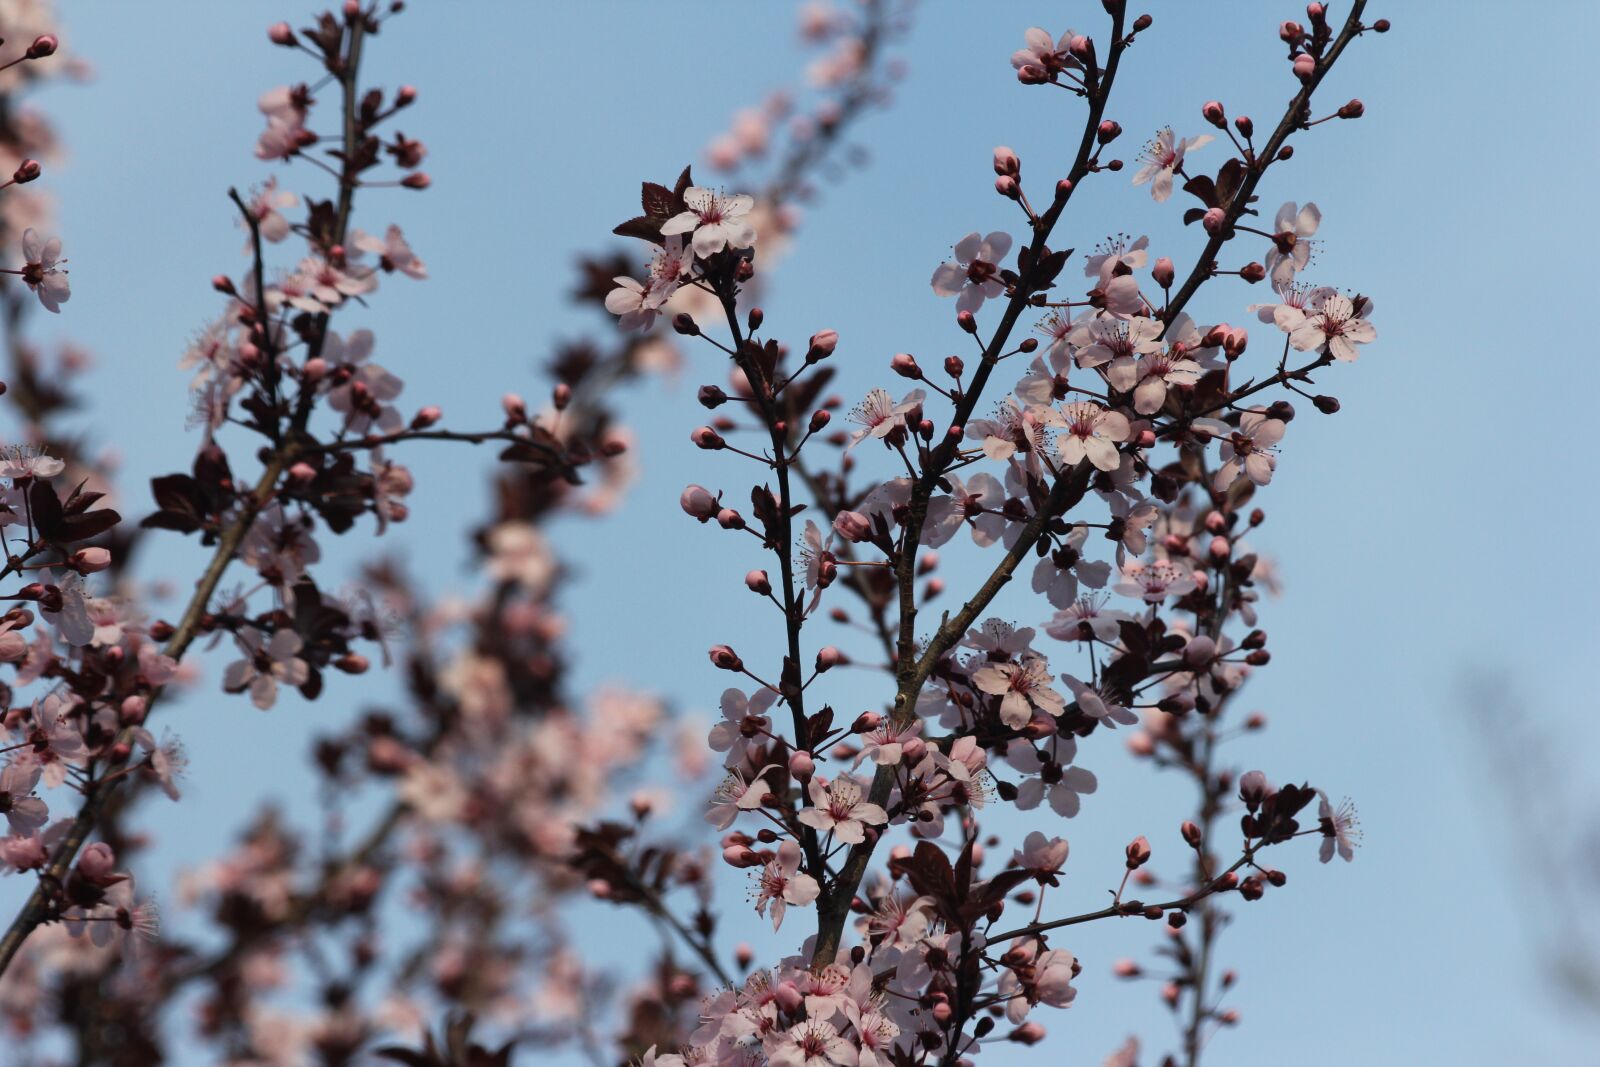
822,345
1163,272
853,526
27,172
97,863
90,560
1290,32
1215,219
515,408
280,33
1244,126
1108,131
302,473
1305,65
802,766
758,583
1191,834
1126,968
820,418
905,365
44,45
1213,112
13,647
725,658
788,996
1007,187
1029,1033
698,503
416,180
314,370
967,321
730,519
133,710
1138,852
1199,651
707,438
829,657
428,416
405,95
1006,162
913,750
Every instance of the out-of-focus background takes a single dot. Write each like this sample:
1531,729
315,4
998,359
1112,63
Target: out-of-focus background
1437,609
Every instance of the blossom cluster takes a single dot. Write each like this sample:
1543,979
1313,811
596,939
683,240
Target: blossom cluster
1122,458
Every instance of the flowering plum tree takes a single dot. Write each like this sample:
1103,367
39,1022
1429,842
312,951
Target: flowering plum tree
1104,440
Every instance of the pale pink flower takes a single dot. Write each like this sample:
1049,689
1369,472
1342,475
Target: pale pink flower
1052,780
782,883
812,1043
41,270
717,221
879,416
1100,339
1114,252
1092,432
1155,581
638,303
1292,245
1014,428
24,812
1148,377
728,735
266,662
393,253
1041,856
734,795
974,276
885,745
1022,687
1093,702
1248,451
1066,624
1337,325
266,207
1340,828
841,807
1048,54
1162,157
28,461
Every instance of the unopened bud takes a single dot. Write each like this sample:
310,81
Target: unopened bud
707,438
725,658
1213,112
1138,853
1108,131
281,33
905,365
822,345
1163,272
43,45
802,766
829,657
758,583
967,321
27,172
90,560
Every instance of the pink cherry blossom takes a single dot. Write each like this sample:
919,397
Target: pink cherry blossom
717,221
974,276
1162,157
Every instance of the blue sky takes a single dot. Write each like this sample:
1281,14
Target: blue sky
1408,526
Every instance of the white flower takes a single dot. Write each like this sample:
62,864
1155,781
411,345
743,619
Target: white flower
1162,157
1337,323
1092,432
838,807
717,221
975,274
1248,450
1291,246
42,272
